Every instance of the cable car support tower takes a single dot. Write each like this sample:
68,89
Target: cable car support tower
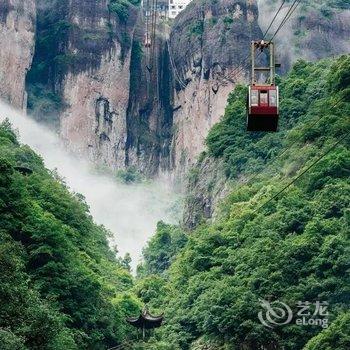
262,45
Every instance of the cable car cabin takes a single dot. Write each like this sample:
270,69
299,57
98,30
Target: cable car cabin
263,109
147,41
263,99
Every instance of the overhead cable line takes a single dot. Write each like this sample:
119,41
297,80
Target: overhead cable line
172,62
266,31
297,139
304,171
276,14
286,17
180,81
154,25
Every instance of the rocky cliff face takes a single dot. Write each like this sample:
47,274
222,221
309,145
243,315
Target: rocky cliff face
95,87
110,98
150,108
209,44
81,72
315,30
17,20
92,77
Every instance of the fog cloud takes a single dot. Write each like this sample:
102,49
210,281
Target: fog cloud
315,37
129,211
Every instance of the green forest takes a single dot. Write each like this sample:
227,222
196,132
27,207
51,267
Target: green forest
282,233
61,287
292,248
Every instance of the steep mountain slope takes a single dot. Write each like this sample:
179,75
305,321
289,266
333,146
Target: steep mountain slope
17,21
61,287
290,246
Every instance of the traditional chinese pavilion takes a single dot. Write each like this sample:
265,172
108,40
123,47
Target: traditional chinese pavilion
146,321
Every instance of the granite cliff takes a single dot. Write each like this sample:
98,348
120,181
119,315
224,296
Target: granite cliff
209,44
124,105
17,21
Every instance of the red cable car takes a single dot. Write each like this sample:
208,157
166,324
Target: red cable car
147,40
263,98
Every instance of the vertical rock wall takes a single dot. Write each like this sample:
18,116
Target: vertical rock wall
96,87
17,23
209,45
150,111
94,74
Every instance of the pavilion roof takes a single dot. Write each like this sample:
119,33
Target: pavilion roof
146,320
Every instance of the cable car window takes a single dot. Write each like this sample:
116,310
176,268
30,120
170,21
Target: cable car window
254,98
263,97
273,98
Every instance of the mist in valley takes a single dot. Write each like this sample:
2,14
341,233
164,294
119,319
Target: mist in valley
130,212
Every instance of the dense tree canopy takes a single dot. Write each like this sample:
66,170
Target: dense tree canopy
292,248
61,287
